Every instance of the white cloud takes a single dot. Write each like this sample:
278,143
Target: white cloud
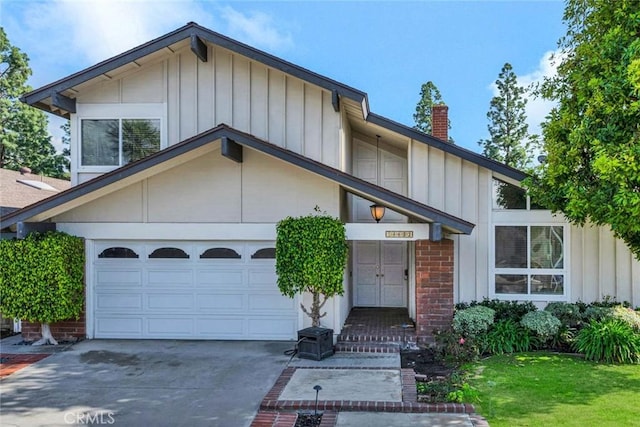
256,29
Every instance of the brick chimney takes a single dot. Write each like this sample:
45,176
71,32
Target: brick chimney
440,122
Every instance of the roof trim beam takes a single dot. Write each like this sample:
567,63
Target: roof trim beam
335,100
231,150
198,48
63,102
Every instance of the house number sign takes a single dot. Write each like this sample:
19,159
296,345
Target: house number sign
390,234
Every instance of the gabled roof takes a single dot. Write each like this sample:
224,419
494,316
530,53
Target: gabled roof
18,189
43,97
399,203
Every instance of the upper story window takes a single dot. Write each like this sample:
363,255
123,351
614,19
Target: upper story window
116,142
507,196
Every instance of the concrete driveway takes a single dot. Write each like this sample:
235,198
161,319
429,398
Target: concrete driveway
144,383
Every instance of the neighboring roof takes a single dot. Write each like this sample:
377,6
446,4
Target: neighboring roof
402,204
38,97
18,190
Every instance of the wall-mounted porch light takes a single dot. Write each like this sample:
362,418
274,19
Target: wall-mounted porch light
377,212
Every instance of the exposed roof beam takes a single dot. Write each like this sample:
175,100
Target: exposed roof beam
63,102
335,100
231,150
199,48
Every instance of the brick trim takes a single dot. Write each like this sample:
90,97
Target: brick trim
66,330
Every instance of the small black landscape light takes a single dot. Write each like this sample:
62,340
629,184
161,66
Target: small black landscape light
317,388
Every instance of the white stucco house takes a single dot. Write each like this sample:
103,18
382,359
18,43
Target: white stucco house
187,150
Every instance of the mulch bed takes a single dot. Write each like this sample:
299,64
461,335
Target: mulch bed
10,363
424,362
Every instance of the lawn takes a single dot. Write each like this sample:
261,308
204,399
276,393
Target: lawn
548,389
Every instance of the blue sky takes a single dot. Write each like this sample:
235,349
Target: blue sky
384,48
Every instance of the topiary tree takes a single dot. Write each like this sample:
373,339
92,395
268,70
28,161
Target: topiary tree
311,253
42,279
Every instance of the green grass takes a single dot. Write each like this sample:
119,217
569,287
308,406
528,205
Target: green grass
547,389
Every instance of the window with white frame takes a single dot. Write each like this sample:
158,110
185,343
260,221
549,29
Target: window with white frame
529,260
529,247
116,142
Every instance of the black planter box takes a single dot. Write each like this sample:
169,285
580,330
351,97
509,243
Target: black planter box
315,343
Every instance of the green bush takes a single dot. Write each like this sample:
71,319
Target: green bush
543,323
455,350
610,341
627,315
42,277
569,314
507,336
596,312
473,321
504,309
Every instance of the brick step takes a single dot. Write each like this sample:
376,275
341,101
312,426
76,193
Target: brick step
367,347
391,338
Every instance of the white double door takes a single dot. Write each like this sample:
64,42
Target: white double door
380,274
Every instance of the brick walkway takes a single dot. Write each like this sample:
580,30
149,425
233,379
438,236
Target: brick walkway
10,363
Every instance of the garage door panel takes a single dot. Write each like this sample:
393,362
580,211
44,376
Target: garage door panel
119,301
119,327
219,296
221,302
274,328
125,278
171,278
170,301
170,326
270,302
222,327
221,277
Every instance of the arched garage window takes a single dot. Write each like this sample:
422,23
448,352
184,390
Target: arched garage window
168,253
118,252
220,253
264,253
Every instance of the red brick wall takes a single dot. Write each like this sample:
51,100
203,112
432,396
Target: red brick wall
67,330
434,287
440,122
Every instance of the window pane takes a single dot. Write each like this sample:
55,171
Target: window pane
511,247
511,284
100,143
547,247
140,138
508,196
547,284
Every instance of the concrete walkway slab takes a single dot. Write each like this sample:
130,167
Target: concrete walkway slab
374,385
351,360
387,419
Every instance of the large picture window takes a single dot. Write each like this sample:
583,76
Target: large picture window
116,142
529,260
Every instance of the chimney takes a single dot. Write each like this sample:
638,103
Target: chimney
440,122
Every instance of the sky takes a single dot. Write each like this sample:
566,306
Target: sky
387,49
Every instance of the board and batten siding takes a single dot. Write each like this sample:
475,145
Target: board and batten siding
461,188
233,90
213,189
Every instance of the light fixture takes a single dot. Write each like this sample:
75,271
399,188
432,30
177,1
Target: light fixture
377,211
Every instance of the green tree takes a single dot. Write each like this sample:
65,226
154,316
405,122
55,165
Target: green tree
311,253
509,141
592,137
25,140
429,96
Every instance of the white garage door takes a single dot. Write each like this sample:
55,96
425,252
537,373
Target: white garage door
189,290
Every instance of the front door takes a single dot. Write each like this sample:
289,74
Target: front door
380,274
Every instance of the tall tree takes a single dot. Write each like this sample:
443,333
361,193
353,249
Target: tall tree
429,96
24,138
509,141
592,137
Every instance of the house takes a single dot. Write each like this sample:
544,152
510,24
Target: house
187,150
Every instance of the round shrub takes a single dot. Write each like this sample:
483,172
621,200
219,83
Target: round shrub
627,315
567,313
543,323
473,321
595,312
610,340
